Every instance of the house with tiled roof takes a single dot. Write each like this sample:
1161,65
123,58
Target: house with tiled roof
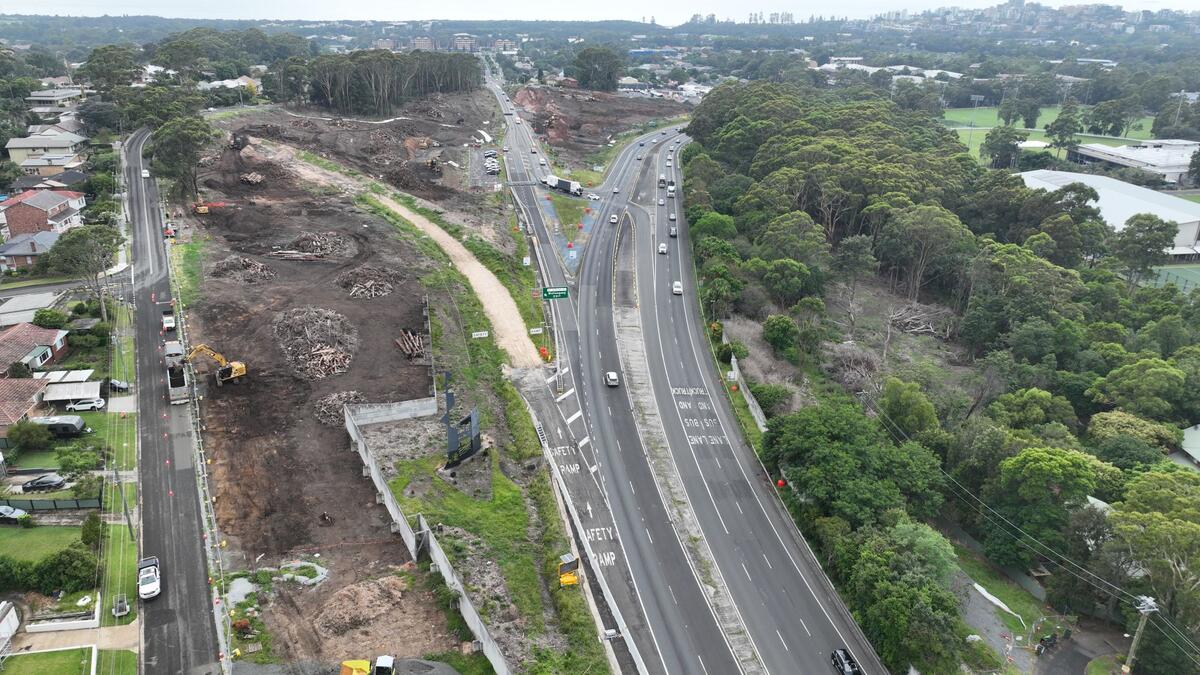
54,143
32,345
23,250
18,398
41,211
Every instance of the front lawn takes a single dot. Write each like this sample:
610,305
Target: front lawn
36,460
61,662
36,543
117,662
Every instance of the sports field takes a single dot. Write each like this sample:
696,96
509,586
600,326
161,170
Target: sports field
973,138
989,117
1186,277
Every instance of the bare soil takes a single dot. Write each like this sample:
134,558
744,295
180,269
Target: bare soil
276,468
578,123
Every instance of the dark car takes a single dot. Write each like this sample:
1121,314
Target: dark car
11,514
49,481
844,663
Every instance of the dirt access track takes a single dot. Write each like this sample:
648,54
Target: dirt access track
578,122
276,468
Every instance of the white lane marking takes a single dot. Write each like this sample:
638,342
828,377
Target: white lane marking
739,508
806,630
577,415
781,641
609,411
702,664
673,598
564,395
631,489
648,534
747,572
768,561
584,441
552,378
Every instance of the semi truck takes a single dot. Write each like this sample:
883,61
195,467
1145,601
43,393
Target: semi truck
570,187
177,385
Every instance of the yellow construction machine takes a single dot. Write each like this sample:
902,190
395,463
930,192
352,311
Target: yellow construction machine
227,370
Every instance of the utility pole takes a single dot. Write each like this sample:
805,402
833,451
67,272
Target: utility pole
1146,607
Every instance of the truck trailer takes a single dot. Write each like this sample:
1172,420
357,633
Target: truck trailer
178,391
570,187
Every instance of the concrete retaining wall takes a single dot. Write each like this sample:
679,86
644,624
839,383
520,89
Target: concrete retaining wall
76,624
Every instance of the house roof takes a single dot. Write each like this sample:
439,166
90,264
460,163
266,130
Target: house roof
28,244
19,340
59,180
63,140
53,160
1119,201
17,397
71,391
42,199
57,376
54,94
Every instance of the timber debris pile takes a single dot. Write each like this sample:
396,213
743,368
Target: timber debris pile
317,342
243,269
329,408
368,281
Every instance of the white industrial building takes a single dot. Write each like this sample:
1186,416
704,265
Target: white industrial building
1119,201
1168,158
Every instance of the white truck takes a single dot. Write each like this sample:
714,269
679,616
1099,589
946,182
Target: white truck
570,187
168,320
149,578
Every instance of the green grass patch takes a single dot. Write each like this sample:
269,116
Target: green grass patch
989,116
263,656
1104,665
465,664
35,543
500,522
117,662
407,231
326,164
111,498
188,263
36,460
570,214
112,430
1192,198
745,420
1018,600
61,662
40,281
120,574
973,139
230,113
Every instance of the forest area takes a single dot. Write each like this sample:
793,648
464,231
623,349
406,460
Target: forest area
1081,378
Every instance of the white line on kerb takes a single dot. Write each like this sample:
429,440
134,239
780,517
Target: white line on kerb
577,415
564,395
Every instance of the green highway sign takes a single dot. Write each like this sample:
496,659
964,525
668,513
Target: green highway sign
554,292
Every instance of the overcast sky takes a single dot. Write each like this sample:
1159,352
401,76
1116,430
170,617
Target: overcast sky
670,13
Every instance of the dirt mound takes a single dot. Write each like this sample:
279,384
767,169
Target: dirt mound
317,342
329,408
242,269
368,281
358,605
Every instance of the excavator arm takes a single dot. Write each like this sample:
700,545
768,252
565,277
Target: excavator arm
227,370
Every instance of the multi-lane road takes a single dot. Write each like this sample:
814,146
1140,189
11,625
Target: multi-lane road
783,600
178,628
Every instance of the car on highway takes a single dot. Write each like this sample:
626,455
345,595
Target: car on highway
843,663
518,120
533,151
671,217
542,162
638,158
145,173
611,379
86,404
661,201
616,190
11,514
677,288
593,196
641,143
612,218
149,581
662,248
46,481
506,148
663,132
674,231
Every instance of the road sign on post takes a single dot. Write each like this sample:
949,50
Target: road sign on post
554,292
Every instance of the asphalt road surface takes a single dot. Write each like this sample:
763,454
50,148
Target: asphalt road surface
179,632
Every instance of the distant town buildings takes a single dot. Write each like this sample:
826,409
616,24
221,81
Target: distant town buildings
422,42
464,42
1169,158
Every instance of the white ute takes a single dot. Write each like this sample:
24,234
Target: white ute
149,579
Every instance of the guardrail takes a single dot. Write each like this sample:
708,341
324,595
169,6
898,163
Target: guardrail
423,539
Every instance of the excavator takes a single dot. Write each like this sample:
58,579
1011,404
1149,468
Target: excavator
227,370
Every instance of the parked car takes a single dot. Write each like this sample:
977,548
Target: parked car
11,514
46,481
85,404
611,379
662,248
118,385
149,578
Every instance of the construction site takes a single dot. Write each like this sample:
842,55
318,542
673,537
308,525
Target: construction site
326,301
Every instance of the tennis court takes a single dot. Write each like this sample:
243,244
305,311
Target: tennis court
1186,277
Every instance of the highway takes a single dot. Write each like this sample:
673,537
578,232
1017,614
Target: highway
178,628
786,604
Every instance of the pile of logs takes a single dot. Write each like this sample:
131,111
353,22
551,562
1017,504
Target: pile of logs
289,254
243,269
411,344
921,319
319,244
329,409
317,342
368,281
252,178
371,289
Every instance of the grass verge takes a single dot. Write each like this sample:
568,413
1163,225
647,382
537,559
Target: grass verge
188,261
61,662
116,662
1104,665
570,214
116,432
120,574
35,543
40,281
1016,598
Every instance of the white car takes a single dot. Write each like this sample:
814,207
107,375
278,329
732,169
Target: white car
506,148
671,217
638,158
616,190
593,196
518,120
145,173
613,218
85,404
542,162
611,379
662,248
661,201
677,288
149,578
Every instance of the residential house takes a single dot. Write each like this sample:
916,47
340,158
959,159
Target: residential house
60,82
32,345
242,82
21,149
54,97
23,250
51,165
59,181
18,398
41,211
52,112
66,124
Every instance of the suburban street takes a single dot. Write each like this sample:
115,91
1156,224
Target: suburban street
787,605
179,633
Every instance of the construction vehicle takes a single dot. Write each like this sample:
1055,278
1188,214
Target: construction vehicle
227,370
568,570
202,208
178,390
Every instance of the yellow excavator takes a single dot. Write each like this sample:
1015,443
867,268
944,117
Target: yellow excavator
227,370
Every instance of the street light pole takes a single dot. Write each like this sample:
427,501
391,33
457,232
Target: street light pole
1146,607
